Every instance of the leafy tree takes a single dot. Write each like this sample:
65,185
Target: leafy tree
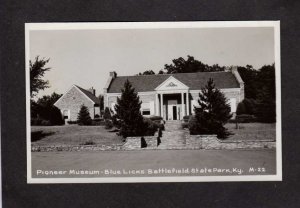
266,97
180,65
44,109
84,117
148,72
37,71
266,106
212,114
250,106
241,109
101,100
49,100
250,77
128,112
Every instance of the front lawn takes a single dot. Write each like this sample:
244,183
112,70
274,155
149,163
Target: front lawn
73,135
252,131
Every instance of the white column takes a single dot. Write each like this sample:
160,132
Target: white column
156,105
161,105
187,103
182,105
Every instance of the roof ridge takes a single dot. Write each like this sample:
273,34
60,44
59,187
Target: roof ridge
173,74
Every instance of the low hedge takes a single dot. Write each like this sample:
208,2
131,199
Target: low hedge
186,118
40,122
244,118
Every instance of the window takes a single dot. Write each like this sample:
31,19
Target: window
66,114
146,112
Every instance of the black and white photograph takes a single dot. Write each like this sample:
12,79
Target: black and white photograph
128,102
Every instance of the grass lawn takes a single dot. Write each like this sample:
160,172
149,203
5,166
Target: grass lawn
79,135
252,131
73,135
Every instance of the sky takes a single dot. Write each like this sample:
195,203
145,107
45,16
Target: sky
85,57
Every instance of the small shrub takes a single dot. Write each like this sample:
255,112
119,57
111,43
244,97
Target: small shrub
96,116
193,125
72,122
245,118
98,122
40,122
185,125
250,105
150,127
45,123
88,143
156,118
36,121
84,116
143,142
108,124
241,109
186,118
107,114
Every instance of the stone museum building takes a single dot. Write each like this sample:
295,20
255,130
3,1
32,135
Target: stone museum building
173,96
71,102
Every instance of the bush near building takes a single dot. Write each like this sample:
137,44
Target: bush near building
84,117
212,113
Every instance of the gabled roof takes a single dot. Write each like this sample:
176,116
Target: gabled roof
89,95
195,81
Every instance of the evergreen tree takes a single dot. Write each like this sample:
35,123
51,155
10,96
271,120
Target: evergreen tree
84,116
212,114
37,72
107,114
128,112
266,107
241,109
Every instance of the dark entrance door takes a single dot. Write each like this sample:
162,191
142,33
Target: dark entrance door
174,112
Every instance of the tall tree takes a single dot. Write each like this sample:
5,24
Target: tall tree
49,100
45,109
128,112
266,97
101,100
250,76
212,113
148,72
37,71
180,65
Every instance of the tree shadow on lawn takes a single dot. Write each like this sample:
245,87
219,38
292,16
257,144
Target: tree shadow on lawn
38,135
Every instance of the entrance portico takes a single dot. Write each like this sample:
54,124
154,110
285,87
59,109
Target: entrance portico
172,99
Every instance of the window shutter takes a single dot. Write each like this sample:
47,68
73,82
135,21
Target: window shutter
233,105
152,108
194,103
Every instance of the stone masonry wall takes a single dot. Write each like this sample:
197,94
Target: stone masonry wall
135,143
73,100
212,142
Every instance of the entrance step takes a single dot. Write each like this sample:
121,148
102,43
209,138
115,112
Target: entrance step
173,137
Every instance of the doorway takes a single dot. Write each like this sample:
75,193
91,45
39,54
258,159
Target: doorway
174,112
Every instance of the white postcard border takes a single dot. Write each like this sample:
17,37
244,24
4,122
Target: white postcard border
158,25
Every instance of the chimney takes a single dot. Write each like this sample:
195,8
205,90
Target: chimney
113,74
234,69
92,90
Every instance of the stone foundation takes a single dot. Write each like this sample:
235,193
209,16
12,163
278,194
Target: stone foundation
212,142
135,143
192,142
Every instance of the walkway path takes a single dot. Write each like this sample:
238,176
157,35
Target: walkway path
173,137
